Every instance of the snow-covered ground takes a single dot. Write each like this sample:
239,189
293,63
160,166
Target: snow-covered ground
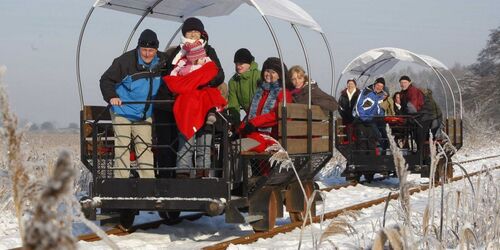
211,230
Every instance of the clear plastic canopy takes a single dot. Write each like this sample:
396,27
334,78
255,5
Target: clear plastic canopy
380,62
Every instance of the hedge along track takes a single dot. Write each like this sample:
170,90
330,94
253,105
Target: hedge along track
120,231
330,215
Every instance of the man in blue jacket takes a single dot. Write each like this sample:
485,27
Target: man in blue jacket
133,77
370,114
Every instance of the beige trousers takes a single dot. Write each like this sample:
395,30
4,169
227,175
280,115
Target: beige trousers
126,130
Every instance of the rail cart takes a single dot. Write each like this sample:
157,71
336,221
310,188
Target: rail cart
429,74
305,131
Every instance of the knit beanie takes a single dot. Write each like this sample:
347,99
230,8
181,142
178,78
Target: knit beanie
243,56
405,78
380,80
148,39
274,63
192,23
194,51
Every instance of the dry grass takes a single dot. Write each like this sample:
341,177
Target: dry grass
41,194
14,161
469,216
340,225
50,225
402,172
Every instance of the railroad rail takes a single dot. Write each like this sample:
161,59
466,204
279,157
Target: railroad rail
120,231
330,215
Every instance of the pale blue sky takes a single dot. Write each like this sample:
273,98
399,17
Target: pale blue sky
38,42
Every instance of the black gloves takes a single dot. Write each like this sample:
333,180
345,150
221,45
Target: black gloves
202,86
249,128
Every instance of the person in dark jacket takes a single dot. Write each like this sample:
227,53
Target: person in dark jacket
347,102
412,101
396,98
192,30
421,105
301,92
134,76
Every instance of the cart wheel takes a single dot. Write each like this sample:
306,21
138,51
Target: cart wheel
127,217
88,212
295,203
296,216
353,177
369,177
169,215
449,171
264,202
441,170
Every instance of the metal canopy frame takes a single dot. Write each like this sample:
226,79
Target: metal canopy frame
445,84
266,20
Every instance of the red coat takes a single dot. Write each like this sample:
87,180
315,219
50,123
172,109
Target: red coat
266,120
192,104
412,100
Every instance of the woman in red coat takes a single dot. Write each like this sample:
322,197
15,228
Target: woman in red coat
262,118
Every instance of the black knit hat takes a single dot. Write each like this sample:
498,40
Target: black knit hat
148,39
274,63
192,23
405,78
243,56
380,80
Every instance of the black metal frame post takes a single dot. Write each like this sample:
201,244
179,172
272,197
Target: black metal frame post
225,160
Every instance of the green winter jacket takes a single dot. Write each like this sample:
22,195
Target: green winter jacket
241,90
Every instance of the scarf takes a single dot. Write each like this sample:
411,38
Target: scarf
274,89
182,52
350,94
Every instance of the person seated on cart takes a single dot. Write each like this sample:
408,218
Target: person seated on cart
397,123
396,98
370,125
387,104
262,119
421,105
195,103
243,84
133,77
347,102
300,94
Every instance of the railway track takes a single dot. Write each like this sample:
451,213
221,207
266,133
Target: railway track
330,215
119,231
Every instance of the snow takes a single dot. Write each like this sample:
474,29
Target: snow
208,231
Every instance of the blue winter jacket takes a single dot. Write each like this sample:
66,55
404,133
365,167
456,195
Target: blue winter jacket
368,105
138,82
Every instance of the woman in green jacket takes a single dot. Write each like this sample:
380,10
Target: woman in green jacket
243,84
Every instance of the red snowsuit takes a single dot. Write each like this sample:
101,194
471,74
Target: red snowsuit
192,104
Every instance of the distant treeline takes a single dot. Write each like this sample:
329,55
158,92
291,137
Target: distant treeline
481,82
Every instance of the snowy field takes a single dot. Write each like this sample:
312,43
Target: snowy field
464,213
